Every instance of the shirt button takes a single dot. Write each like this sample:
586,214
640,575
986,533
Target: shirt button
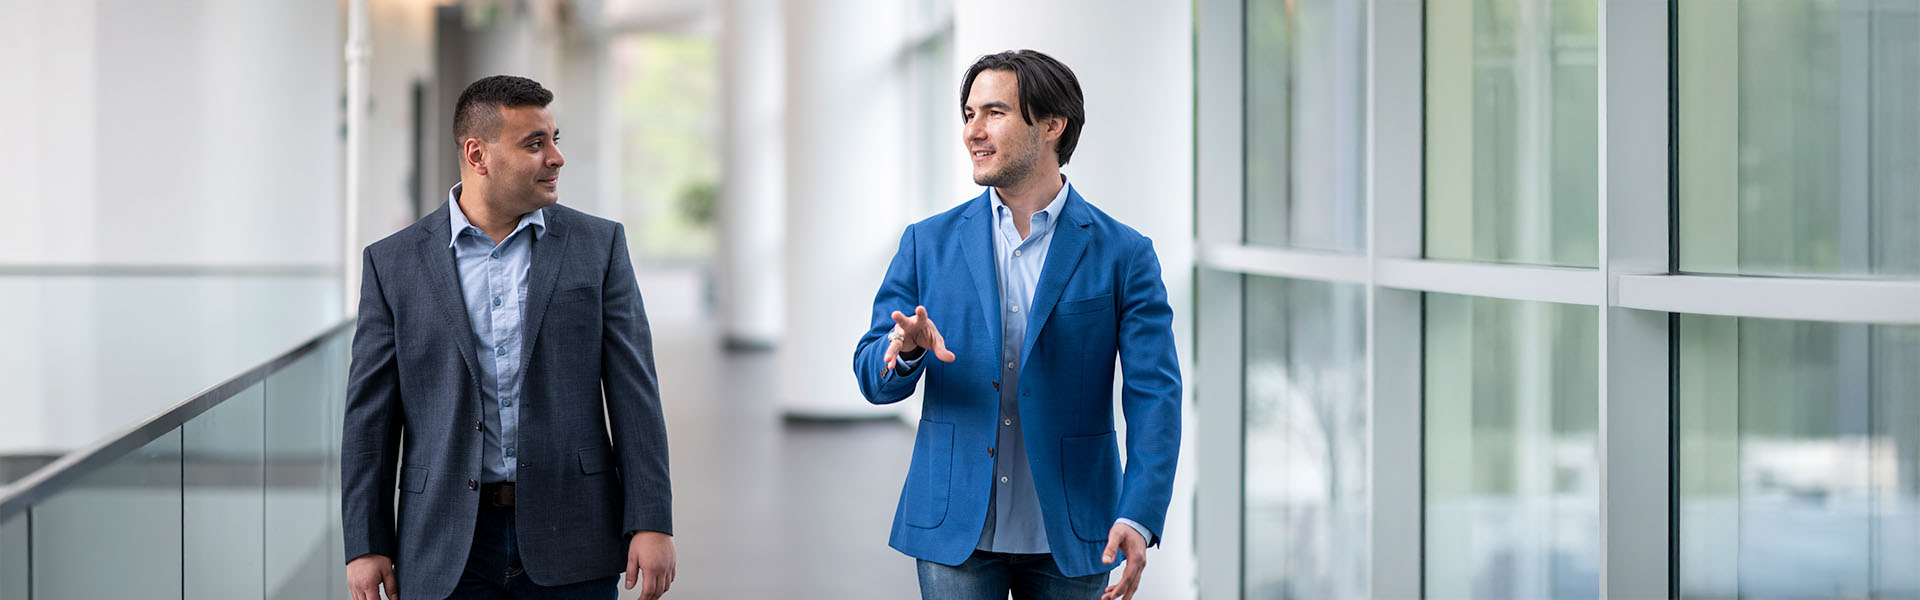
1003,479
1009,364
1015,308
501,351
506,403
496,300
1016,253
474,485
1007,422
509,451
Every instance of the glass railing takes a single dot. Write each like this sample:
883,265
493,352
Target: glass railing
232,493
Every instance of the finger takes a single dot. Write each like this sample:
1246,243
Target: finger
905,322
893,351
633,573
940,345
1113,545
355,592
393,585
656,585
1113,591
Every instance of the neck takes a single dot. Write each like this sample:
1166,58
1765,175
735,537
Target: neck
1031,194
492,219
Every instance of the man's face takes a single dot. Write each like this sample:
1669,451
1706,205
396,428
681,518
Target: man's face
1003,146
523,162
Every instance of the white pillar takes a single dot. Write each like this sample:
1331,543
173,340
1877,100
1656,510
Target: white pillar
1134,161
753,192
845,210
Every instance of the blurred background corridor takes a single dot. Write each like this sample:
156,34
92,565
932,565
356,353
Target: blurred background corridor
1473,298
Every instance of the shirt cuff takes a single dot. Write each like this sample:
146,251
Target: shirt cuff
1144,534
903,366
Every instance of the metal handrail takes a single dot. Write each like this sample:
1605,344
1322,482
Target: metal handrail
42,484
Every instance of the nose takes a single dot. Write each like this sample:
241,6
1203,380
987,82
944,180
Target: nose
972,131
557,159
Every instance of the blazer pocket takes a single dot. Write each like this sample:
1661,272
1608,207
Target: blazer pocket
595,460
413,479
930,477
1087,305
578,294
1090,471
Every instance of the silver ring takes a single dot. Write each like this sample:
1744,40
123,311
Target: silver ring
897,335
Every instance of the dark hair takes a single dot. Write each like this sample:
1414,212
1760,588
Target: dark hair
478,112
1047,88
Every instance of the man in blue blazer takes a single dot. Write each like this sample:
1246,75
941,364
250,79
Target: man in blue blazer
503,339
1016,483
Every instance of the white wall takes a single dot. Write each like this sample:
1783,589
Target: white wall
1134,161
178,133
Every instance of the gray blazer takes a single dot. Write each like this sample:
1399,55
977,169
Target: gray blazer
593,465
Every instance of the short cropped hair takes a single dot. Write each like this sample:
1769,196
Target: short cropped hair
1047,88
477,114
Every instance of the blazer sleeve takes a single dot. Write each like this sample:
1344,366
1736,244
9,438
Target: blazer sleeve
1150,395
899,291
370,435
633,397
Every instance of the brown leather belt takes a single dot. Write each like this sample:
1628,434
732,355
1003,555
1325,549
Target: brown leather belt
497,494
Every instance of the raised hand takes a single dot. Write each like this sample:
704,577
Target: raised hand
912,332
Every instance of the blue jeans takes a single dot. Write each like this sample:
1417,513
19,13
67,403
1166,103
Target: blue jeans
992,575
494,569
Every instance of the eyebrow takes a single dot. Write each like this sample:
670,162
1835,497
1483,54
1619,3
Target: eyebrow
537,133
994,104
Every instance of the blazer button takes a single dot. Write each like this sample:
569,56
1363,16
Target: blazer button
473,485
476,425
989,451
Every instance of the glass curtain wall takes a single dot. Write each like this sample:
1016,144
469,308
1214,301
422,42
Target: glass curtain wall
1305,94
1512,131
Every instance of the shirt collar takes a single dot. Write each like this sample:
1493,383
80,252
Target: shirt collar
1052,211
536,219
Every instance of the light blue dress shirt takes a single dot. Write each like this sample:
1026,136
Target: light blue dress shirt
1014,524
493,279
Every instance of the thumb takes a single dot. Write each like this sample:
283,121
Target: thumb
633,572
1113,545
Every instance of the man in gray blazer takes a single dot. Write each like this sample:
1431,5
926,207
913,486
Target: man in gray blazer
502,339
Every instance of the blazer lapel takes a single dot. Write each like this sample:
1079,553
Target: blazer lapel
548,251
437,260
1070,239
976,241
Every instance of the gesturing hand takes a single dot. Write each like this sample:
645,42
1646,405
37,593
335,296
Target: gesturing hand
1124,538
914,332
367,573
650,556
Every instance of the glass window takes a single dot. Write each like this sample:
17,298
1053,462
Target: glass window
1799,138
1799,463
1512,130
1511,439
13,558
1305,103
1306,419
114,529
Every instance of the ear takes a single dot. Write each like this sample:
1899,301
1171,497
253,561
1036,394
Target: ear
1053,127
473,152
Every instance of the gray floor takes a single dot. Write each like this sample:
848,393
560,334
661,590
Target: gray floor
768,508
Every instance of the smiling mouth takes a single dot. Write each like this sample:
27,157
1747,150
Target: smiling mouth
980,154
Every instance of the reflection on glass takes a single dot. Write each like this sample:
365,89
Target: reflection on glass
221,506
1799,459
1799,137
13,558
1306,440
301,433
1512,131
1305,97
129,508
1512,467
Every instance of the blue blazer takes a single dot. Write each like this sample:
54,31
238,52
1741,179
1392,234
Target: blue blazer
593,443
1099,295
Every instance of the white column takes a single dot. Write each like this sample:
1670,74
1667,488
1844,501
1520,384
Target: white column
845,153
1134,161
753,191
